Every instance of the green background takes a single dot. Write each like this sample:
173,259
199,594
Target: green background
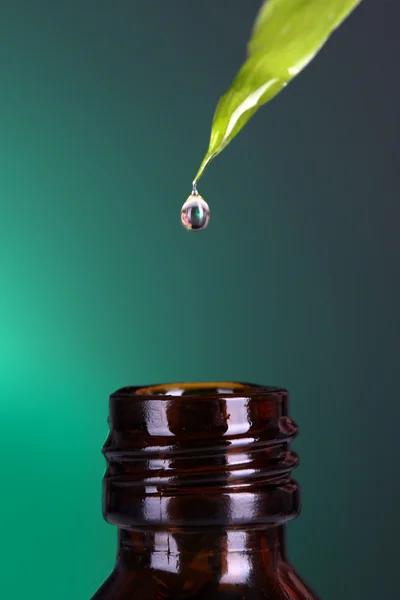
105,111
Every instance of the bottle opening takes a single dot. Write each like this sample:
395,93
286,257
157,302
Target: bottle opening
195,390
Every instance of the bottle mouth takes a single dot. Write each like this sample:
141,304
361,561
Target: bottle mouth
219,389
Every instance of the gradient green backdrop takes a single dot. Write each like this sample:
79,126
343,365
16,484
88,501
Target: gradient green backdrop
105,110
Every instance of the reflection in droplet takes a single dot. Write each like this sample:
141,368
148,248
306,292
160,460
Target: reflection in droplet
195,213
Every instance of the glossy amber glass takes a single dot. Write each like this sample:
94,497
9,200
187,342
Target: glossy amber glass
199,484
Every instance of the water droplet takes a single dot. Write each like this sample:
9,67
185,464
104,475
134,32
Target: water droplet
195,213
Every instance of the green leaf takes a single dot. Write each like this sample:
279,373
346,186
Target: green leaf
286,36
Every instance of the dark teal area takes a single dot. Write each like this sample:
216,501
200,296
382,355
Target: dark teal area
105,112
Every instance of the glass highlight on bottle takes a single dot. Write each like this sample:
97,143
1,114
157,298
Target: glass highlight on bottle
198,482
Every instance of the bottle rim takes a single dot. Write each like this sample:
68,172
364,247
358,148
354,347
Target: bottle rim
199,390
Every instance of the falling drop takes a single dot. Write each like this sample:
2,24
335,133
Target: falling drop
195,213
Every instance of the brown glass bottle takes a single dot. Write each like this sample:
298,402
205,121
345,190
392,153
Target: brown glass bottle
199,484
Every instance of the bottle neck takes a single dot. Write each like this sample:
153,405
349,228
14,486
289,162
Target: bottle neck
199,484
220,460
232,554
